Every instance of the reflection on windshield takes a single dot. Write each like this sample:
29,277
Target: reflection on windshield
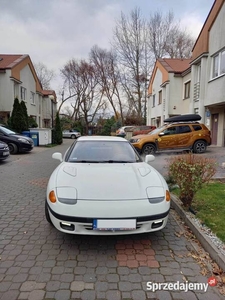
6,130
156,130
103,152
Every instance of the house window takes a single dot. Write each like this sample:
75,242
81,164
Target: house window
32,98
160,97
23,93
222,64
187,87
153,101
215,66
218,64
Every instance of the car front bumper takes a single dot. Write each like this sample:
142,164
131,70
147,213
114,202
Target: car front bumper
85,226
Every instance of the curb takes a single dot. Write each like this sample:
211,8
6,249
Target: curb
200,235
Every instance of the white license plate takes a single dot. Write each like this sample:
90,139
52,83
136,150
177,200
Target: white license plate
126,224
6,153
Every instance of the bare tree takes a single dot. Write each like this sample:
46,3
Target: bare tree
179,44
45,75
166,38
109,77
129,42
82,80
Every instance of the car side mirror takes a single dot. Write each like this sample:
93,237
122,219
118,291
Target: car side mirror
149,158
161,133
57,155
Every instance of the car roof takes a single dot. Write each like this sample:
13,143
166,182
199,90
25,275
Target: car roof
102,138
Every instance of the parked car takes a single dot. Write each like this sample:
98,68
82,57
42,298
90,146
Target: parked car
16,142
103,187
174,135
71,133
4,151
121,132
144,129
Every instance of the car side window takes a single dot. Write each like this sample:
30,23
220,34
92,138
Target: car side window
197,127
170,130
184,129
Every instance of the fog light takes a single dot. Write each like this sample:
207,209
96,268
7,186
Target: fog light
67,226
157,224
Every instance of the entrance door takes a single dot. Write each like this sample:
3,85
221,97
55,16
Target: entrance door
215,120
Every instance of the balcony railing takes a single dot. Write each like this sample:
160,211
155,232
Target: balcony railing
196,91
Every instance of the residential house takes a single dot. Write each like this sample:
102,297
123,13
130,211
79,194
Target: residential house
168,90
208,73
197,85
18,78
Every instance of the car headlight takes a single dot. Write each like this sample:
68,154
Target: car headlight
135,140
23,140
67,195
157,195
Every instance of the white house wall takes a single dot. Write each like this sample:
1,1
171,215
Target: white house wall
215,92
29,83
157,110
215,88
173,102
6,91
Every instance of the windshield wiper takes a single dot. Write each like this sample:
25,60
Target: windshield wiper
84,161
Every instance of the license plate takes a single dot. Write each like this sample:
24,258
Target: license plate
5,153
114,225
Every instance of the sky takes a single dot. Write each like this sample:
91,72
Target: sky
55,31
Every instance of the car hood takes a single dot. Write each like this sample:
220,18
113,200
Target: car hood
116,181
19,136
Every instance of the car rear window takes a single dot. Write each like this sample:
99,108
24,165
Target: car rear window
197,127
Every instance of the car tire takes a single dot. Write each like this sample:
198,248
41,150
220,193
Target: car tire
47,216
149,149
199,146
13,149
73,136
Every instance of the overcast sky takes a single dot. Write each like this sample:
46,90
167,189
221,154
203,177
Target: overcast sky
55,31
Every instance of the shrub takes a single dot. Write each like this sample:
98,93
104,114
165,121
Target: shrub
57,132
190,172
32,123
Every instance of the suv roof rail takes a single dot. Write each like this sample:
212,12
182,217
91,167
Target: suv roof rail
182,122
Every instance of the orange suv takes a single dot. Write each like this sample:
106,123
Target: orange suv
174,136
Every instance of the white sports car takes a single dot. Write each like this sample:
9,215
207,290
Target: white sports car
103,187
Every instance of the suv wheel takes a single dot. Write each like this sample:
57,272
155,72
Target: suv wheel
13,149
149,149
199,146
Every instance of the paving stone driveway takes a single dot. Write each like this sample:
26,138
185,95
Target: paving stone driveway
38,262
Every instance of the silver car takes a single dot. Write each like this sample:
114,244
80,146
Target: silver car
71,133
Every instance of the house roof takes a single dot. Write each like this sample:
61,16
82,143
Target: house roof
166,66
202,43
8,61
16,62
175,65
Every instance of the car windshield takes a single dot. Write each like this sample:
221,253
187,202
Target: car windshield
6,130
157,130
103,152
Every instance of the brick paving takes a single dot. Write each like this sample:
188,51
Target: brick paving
38,262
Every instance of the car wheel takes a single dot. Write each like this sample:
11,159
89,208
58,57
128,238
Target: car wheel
13,149
149,149
199,146
73,136
47,216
